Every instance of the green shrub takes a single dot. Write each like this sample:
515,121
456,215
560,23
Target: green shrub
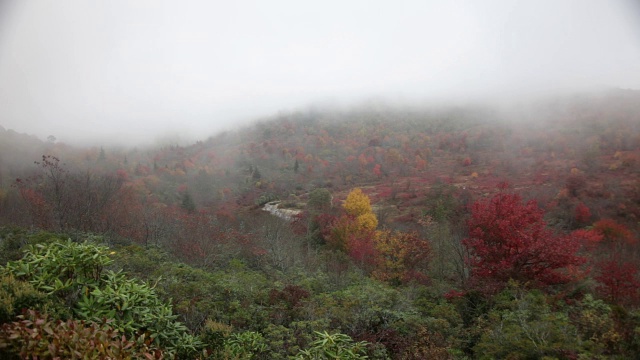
265,198
319,200
214,335
334,346
74,274
596,326
245,345
523,326
13,241
134,307
64,269
16,295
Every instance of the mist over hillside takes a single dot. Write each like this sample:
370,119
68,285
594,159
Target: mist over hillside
318,223
288,180
127,74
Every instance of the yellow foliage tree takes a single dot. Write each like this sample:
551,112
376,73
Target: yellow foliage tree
391,254
354,231
358,205
367,221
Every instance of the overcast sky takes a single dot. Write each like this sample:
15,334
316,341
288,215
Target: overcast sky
122,70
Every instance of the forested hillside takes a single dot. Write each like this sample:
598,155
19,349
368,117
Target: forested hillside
400,232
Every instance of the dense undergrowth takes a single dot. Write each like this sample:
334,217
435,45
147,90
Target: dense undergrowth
450,233
140,302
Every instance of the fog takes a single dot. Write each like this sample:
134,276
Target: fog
138,72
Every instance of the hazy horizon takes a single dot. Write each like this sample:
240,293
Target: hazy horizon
135,73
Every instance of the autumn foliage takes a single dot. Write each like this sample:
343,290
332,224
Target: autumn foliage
619,282
355,269
509,239
358,205
35,336
614,232
395,257
582,214
354,231
401,257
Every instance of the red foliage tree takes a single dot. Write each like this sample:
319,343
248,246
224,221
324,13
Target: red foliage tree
361,247
613,232
325,225
122,175
582,214
36,204
618,281
590,238
575,183
377,170
508,239
300,223
60,199
421,164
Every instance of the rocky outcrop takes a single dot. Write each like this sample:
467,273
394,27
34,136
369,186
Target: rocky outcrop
285,214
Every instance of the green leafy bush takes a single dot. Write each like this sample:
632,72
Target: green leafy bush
16,295
74,274
214,335
134,307
319,200
265,198
13,241
245,345
596,326
334,346
64,269
286,342
523,326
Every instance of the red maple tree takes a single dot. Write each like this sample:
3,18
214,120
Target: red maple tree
619,282
582,214
509,239
614,232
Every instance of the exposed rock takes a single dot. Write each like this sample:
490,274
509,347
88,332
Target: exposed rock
285,214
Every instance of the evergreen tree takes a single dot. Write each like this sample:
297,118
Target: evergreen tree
102,156
188,203
256,174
